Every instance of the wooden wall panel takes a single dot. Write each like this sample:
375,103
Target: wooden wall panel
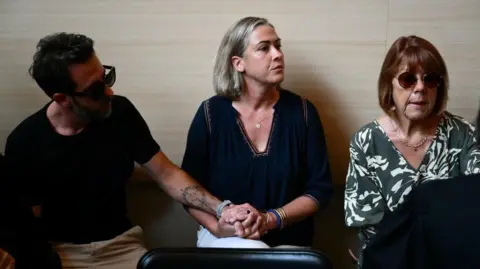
454,28
164,51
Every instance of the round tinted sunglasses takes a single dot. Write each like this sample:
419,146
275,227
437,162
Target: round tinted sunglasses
96,90
430,80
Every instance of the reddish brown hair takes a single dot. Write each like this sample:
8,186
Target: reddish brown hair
414,52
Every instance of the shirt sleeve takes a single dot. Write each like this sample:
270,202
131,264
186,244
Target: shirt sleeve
319,182
140,142
470,154
364,206
22,172
196,158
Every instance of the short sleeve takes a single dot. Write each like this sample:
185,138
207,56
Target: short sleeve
319,182
140,142
196,160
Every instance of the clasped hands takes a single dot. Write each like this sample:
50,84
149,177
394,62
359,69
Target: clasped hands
243,221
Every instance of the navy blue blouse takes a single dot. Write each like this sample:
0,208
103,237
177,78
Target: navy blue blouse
221,157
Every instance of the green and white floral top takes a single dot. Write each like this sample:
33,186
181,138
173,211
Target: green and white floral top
379,177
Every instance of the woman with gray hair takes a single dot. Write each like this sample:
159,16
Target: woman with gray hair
254,142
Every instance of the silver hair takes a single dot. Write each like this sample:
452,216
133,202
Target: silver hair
227,81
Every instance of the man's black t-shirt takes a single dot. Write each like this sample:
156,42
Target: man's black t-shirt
20,234
80,180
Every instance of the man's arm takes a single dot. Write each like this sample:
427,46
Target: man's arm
21,172
145,151
184,189
180,186
174,181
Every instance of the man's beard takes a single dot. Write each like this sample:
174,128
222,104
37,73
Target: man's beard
86,114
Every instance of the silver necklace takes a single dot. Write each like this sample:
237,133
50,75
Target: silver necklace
416,146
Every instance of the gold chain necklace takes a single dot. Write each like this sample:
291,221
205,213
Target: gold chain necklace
416,146
259,124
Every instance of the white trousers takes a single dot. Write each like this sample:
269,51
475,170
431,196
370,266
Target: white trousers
207,240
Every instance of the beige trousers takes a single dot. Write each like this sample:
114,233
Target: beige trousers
121,252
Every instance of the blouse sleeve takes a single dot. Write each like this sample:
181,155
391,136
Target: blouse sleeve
319,183
470,154
195,160
364,205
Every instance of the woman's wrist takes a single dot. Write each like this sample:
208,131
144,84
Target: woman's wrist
215,230
271,221
278,218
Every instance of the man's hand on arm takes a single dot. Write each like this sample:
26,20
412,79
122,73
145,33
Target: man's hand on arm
245,217
218,228
246,220
178,185
184,189
221,227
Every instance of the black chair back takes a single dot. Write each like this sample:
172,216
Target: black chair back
213,258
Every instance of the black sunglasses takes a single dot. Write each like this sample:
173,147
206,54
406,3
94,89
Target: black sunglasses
96,90
430,80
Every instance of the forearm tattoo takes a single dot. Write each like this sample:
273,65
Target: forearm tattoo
195,196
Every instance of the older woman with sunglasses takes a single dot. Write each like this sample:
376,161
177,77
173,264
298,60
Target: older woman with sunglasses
415,141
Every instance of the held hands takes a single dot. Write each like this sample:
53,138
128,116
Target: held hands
242,221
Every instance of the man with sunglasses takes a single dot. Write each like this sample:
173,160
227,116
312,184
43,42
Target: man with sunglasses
73,157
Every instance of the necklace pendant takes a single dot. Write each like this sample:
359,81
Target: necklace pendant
258,126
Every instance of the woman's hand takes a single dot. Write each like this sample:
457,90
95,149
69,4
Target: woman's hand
234,213
225,229
251,227
244,221
260,228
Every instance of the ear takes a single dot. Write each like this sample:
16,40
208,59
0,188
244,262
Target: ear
62,99
238,64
